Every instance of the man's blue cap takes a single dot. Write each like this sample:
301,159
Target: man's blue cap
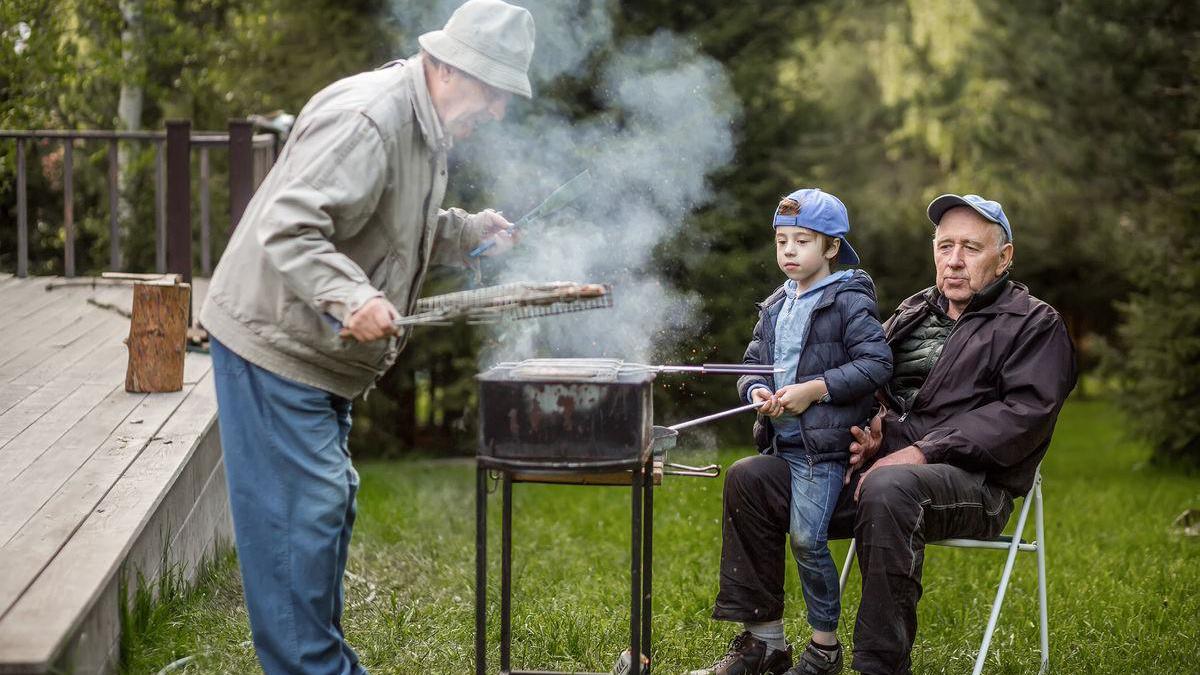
990,210
824,213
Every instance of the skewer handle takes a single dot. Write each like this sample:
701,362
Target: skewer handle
715,416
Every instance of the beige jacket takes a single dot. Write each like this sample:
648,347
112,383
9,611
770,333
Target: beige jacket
350,211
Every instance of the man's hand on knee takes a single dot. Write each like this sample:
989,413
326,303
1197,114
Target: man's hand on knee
907,455
372,321
865,444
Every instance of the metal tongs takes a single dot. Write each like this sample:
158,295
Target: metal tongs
665,437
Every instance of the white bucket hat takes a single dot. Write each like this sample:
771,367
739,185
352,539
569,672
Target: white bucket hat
489,40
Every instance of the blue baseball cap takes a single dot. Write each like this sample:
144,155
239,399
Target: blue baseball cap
987,208
824,213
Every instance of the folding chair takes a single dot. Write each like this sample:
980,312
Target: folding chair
1011,543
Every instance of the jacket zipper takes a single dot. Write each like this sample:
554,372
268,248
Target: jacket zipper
807,335
929,377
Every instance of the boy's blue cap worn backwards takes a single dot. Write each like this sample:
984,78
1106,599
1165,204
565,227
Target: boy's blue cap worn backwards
987,208
824,213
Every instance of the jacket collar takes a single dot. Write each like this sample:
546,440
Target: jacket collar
828,293
431,126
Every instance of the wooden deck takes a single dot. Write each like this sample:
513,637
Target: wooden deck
97,486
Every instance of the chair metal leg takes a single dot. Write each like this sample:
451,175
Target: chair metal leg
845,576
1043,618
1008,568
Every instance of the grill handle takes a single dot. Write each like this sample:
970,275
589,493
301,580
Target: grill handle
707,471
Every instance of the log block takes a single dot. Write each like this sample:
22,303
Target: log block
158,337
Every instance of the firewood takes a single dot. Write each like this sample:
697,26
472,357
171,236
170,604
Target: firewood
157,337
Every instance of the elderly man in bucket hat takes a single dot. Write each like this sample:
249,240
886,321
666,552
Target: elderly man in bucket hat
332,248
982,368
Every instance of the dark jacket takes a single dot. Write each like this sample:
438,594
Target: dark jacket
845,345
991,400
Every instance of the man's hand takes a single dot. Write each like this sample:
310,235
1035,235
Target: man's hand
907,455
772,406
495,227
865,444
372,321
796,398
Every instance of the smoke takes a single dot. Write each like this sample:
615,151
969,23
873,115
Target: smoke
662,120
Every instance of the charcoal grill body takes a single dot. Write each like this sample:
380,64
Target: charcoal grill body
553,421
542,420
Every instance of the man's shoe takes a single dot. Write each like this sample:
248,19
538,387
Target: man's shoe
747,655
814,661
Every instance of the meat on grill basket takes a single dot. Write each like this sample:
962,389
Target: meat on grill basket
578,416
521,300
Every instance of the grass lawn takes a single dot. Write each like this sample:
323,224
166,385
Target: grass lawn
1124,592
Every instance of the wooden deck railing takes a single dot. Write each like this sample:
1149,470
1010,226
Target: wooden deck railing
250,158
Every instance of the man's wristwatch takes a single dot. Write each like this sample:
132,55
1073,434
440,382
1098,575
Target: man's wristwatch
825,398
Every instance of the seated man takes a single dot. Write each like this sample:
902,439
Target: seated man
982,369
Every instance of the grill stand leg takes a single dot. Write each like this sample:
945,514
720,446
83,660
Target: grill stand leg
635,571
647,555
641,569
481,571
506,578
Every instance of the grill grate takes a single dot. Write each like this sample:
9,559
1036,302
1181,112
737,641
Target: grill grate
522,300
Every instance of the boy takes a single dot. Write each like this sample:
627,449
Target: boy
820,329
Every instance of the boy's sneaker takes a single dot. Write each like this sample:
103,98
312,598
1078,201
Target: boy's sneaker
747,655
817,661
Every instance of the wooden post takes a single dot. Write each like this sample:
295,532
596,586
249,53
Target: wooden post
160,208
68,167
22,214
179,198
241,169
158,337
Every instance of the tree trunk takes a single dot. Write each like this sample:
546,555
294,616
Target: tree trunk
129,106
157,337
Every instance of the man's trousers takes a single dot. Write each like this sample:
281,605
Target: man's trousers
291,490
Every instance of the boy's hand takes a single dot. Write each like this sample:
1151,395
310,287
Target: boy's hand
796,398
771,405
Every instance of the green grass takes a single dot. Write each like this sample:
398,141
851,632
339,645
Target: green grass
1124,592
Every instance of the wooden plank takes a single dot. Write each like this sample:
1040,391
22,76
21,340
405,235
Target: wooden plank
27,297
28,293
37,304
29,488
106,363
81,329
32,439
12,394
79,353
38,625
32,547
195,367
583,477
19,334
64,300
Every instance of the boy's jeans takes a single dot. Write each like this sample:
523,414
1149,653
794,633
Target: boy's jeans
291,489
815,489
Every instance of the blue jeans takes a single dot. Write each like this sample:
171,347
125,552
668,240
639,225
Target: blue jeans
815,489
291,489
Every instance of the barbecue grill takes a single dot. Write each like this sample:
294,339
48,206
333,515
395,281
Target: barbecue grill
578,421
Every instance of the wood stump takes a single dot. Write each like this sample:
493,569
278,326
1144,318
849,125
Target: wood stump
158,336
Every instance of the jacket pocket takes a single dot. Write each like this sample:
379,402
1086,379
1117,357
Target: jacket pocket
303,324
